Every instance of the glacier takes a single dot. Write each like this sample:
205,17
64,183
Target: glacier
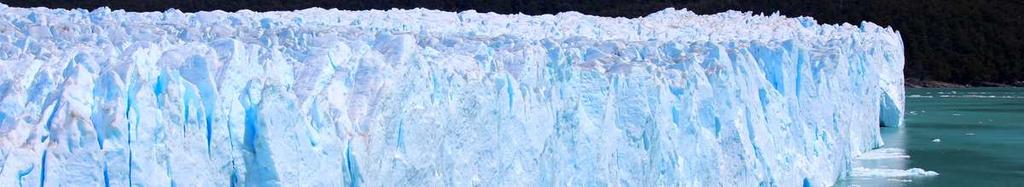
416,97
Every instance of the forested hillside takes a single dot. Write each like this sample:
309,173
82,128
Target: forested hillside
961,41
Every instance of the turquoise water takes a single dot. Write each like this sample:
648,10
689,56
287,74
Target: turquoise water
981,139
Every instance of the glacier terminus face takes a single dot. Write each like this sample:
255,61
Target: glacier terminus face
422,97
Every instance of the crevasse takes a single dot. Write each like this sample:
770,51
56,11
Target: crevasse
422,97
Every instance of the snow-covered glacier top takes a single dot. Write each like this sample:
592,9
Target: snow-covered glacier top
422,97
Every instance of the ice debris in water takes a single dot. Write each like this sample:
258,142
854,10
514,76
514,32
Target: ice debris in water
884,153
891,173
897,175
422,97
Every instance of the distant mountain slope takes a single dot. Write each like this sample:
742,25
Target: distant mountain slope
960,41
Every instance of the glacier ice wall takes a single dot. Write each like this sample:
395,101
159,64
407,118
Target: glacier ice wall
422,97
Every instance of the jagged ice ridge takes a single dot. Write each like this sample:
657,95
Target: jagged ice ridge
423,97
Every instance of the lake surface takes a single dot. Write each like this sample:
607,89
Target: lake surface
980,134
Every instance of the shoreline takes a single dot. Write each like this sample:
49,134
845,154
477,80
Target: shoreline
918,83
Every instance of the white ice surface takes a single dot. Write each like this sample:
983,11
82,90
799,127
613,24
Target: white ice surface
422,97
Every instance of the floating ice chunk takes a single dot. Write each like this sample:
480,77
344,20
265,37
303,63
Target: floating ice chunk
901,180
891,173
884,153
